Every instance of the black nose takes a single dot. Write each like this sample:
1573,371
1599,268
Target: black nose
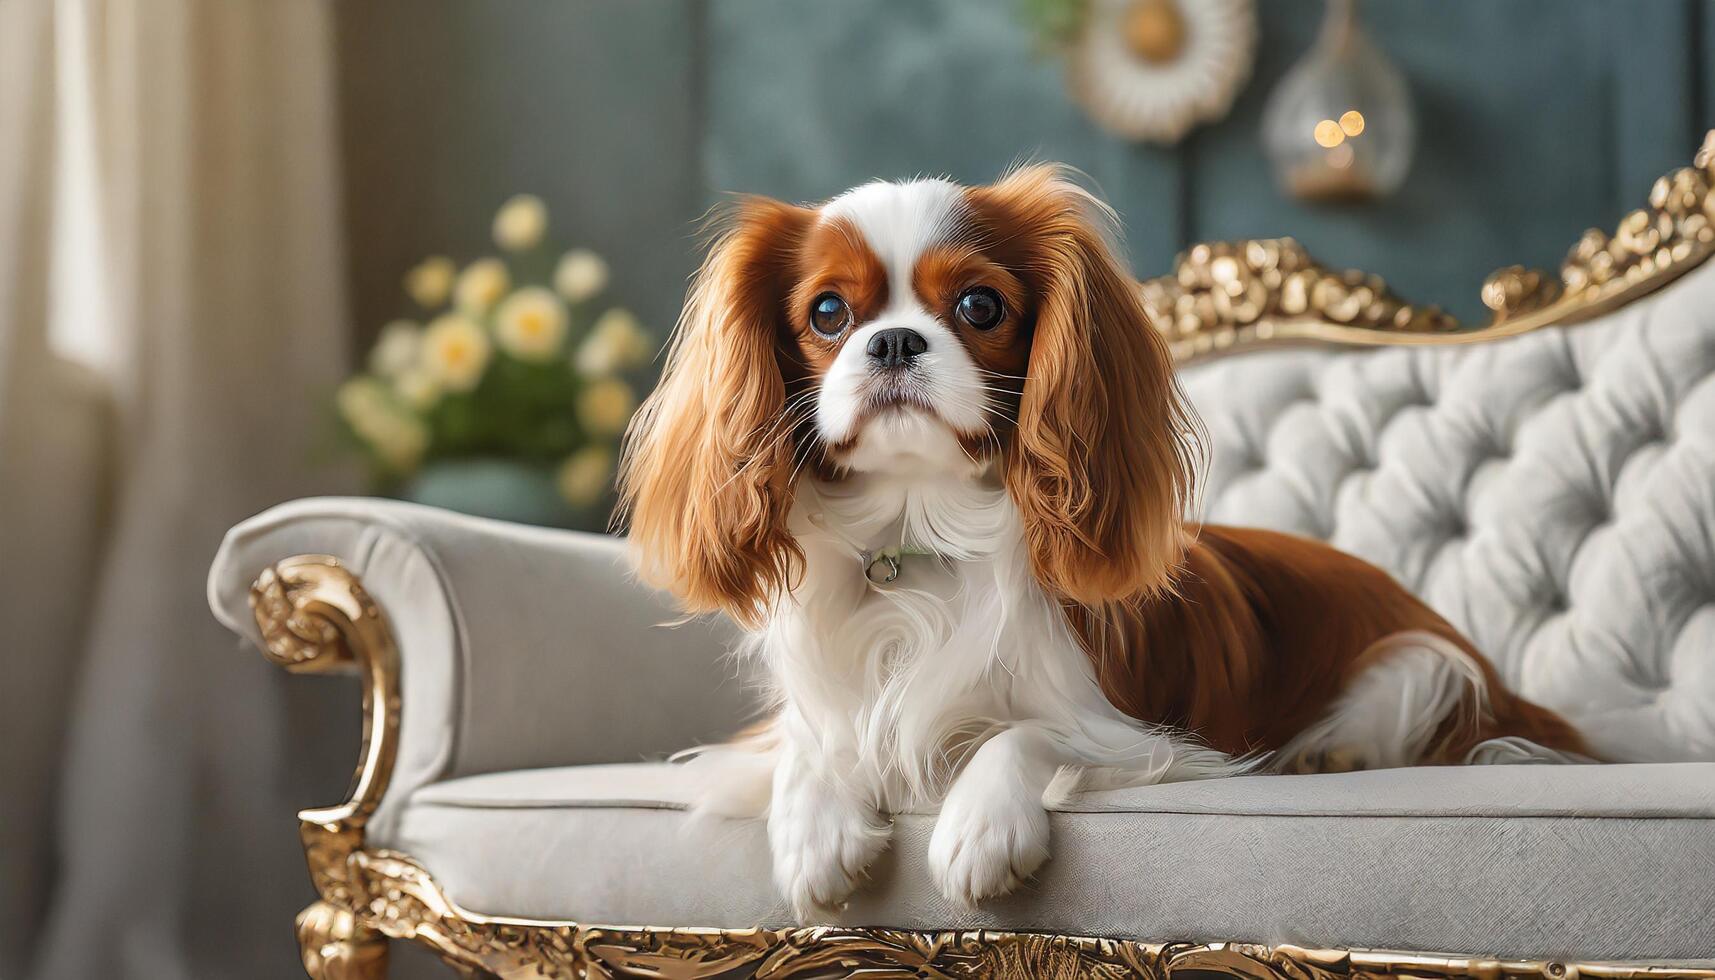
895,347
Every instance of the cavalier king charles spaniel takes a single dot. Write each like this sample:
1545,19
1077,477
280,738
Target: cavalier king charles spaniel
923,443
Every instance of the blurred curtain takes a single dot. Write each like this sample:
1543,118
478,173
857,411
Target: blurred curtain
187,151
48,434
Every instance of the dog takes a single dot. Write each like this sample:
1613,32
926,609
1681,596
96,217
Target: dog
922,442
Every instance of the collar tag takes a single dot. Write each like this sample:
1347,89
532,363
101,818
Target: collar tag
880,567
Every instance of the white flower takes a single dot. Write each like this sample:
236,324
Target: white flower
481,285
583,477
580,275
456,352
429,283
397,437
616,341
520,223
360,400
605,406
396,350
418,387
531,324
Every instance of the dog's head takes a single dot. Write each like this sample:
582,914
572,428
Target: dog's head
912,328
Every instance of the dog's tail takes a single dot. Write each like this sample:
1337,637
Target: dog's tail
1510,730
1427,697
1523,732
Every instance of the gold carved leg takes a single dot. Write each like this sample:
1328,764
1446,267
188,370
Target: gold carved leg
335,947
315,617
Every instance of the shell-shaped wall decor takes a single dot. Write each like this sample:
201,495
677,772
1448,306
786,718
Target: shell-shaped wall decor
1152,69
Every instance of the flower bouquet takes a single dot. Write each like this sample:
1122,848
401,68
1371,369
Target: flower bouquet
507,395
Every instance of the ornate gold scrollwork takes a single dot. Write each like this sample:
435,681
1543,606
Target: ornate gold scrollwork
335,947
315,617
403,901
1237,296
1231,295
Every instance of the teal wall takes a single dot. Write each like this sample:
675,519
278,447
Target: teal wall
1538,118
448,107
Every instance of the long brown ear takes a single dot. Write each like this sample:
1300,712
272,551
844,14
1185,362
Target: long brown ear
704,480
1103,463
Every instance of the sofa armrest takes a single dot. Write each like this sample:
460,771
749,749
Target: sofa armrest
517,647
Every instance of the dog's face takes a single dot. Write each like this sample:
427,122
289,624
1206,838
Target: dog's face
909,329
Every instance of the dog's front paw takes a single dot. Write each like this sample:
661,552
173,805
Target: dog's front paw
986,842
822,843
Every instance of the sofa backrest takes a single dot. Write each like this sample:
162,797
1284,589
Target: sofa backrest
1552,494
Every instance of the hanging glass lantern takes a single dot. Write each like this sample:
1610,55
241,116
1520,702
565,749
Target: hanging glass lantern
1339,126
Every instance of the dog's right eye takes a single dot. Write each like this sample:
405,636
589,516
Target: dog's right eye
830,315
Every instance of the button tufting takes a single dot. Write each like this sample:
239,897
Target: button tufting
1500,444
1466,469
1455,524
1574,378
1607,514
1598,508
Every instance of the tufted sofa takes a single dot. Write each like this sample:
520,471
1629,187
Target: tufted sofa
1546,481
1554,495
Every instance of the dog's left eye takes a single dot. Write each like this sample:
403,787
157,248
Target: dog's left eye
981,307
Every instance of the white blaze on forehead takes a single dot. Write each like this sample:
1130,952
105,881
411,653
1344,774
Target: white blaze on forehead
899,221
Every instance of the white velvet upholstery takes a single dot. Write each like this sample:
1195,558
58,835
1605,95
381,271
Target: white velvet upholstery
1591,862
1554,495
521,647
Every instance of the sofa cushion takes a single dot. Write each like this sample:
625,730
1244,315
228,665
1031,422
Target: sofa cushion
1552,494
1588,862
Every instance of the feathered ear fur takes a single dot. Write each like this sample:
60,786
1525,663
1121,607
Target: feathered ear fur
1102,464
704,481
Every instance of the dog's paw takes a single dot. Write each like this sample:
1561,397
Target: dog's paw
1331,759
986,843
822,844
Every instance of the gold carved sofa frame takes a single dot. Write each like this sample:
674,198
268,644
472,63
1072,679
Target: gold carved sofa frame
316,617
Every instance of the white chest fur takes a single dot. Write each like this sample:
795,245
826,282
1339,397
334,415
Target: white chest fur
892,684
959,685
